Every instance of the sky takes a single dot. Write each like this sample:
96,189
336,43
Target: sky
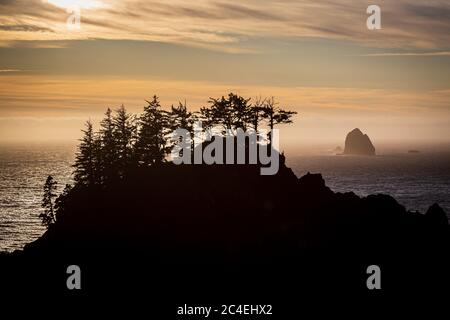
316,57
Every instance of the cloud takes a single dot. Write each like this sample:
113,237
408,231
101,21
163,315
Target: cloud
409,54
24,27
322,110
428,10
9,70
220,24
61,95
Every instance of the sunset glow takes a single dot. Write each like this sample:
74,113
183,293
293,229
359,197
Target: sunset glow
183,153
84,4
317,57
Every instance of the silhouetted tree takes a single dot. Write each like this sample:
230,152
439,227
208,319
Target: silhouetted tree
276,115
283,117
207,117
123,140
218,114
229,113
108,147
124,132
180,117
61,201
151,146
240,110
256,113
85,160
48,216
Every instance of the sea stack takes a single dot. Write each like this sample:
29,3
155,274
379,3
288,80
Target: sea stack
337,150
358,143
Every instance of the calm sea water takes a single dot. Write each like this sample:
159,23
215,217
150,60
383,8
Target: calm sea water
415,180
23,170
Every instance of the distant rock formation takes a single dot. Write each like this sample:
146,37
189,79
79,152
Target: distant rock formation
358,143
337,150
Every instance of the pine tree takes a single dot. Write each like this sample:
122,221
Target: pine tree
180,117
151,146
276,115
240,110
229,113
48,216
218,114
256,113
107,154
85,160
61,202
124,132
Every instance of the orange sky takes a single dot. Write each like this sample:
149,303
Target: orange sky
316,57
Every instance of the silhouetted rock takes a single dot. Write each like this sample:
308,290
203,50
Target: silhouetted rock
314,185
223,212
437,215
163,225
358,143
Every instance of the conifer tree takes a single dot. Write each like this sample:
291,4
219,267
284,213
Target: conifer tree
240,109
276,115
256,113
48,216
85,160
218,114
124,132
181,118
108,147
151,146
228,113
61,202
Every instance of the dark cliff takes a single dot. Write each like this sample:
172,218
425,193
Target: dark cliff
233,213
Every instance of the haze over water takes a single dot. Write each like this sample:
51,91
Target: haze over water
415,180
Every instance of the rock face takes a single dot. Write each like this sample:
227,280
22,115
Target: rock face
358,143
437,215
145,213
205,217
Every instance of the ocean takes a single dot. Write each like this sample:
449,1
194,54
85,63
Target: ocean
23,170
416,180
